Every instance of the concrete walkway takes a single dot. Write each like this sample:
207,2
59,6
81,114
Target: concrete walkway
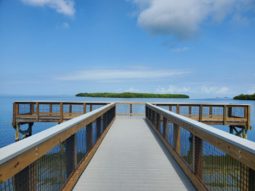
131,158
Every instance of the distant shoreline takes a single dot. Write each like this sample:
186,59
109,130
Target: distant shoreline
131,95
245,97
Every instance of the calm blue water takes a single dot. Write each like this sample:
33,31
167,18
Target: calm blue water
7,133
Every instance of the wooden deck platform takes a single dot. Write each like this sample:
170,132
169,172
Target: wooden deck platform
132,158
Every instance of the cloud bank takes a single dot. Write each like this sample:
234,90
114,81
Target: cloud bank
182,18
65,7
121,74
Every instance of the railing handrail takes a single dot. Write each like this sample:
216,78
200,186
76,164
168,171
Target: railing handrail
242,145
135,102
13,150
198,103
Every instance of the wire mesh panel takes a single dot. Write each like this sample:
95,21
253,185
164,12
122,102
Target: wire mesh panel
77,108
24,109
81,146
44,108
186,146
237,112
7,185
170,133
222,172
184,110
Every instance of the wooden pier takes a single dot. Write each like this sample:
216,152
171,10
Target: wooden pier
104,150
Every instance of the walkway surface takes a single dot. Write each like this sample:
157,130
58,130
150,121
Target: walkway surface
132,158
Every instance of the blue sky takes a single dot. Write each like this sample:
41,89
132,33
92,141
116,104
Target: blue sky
203,48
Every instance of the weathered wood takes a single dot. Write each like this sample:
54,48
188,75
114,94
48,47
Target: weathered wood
84,108
200,113
90,107
98,127
225,114
177,141
164,127
131,109
61,112
37,111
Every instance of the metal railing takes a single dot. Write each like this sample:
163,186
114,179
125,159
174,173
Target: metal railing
54,159
211,158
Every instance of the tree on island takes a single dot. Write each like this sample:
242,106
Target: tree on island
245,97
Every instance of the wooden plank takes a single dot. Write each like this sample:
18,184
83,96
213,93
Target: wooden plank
125,163
177,138
61,110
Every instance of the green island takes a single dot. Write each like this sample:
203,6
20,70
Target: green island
131,95
245,97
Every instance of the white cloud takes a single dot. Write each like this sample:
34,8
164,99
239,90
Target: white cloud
121,74
197,90
173,89
65,7
183,18
215,90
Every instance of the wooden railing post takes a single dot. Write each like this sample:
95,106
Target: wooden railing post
177,138
197,156
70,108
190,110
32,108
84,108
170,108
15,113
200,113
90,107
89,137
177,109
211,111
98,126
130,109
158,122
61,110
164,127
37,111
50,108
71,154
225,114
247,116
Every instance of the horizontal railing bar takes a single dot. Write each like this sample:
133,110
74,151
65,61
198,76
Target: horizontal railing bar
240,145
134,102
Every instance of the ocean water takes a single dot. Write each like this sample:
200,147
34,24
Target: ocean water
7,132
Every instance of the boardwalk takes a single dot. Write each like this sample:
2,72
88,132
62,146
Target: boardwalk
131,158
